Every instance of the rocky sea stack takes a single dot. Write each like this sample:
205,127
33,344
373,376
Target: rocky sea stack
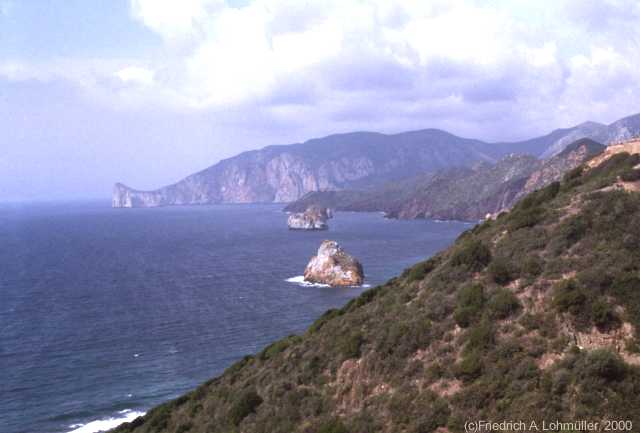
333,266
314,218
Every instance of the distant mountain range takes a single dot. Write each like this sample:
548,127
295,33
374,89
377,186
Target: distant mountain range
458,193
355,161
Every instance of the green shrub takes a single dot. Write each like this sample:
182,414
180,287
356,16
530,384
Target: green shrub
603,314
469,305
503,303
501,270
332,426
569,297
349,346
469,368
526,217
532,266
421,270
473,254
244,406
604,364
630,175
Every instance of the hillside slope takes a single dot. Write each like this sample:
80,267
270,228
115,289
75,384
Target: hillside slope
460,194
532,316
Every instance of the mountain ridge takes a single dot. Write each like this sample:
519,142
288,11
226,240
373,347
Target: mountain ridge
284,173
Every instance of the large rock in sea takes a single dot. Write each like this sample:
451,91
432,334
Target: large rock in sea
333,266
314,218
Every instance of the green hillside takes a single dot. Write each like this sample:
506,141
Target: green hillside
531,316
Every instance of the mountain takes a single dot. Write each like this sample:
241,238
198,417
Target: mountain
461,194
351,161
532,316
285,173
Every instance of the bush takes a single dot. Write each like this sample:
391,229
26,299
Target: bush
569,297
502,271
604,364
244,406
333,426
532,266
349,346
421,270
469,368
604,317
503,303
630,175
469,305
473,254
526,217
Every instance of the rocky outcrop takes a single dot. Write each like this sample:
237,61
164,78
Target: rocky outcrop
313,218
333,266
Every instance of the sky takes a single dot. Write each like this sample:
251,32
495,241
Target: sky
148,91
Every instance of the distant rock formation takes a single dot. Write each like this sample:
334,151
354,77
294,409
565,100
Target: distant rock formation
333,266
313,218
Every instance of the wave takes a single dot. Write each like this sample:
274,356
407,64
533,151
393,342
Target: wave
100,425
299,280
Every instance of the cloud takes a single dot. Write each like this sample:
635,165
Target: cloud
136,75
350,63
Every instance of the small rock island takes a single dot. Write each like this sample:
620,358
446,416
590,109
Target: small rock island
314,218
333,266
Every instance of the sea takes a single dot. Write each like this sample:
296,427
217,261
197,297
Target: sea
105,312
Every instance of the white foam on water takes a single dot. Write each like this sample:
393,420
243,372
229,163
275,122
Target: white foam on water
100,425
299,280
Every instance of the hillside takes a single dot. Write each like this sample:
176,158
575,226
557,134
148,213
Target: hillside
285,173
352,161
532,316
460,194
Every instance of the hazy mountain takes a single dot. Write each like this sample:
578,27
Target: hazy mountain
356,160
461,194
531,317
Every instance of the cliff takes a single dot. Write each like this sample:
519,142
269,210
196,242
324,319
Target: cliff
286,173
460,194
532,316
352,161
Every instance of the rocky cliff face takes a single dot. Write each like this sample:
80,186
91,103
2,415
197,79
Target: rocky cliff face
286,173
333,266
461,194
352,161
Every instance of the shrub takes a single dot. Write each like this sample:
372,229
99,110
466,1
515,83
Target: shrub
526,217
469,368
503,303
349,346
630,175
332,426
532,266
421,270
603,315
473,254
502,270
244,406
604,364
469,305
569,297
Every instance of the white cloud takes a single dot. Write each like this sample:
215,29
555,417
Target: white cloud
496,69
136,75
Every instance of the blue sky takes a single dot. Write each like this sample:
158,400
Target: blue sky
148,91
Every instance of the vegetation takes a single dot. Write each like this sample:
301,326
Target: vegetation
492,328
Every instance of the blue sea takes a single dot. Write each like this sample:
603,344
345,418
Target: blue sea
105,312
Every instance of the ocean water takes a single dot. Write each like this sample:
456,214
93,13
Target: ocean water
107,312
